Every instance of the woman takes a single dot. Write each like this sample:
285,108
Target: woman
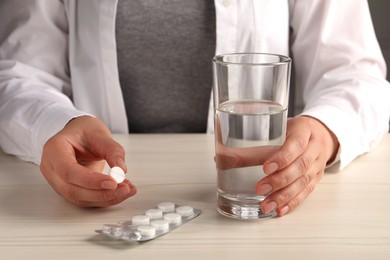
62,85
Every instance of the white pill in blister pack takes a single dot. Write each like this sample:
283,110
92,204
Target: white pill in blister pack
147,231
154,223
185,211
166,206
160,224
140,220
173,218
117,174
154,213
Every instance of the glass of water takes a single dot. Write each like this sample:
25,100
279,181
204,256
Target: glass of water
251,93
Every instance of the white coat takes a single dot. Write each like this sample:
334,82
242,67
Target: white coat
58,61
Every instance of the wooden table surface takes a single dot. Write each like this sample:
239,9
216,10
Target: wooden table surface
346,217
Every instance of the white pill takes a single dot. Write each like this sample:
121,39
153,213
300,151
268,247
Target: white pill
173,218
140,220
117,173
160,224
147,231
154,213
166,206
185,211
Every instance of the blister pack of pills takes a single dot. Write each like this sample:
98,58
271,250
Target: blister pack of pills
156,222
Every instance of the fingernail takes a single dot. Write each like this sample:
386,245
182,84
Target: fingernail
284,210
271,168
271,206
109,185
264,189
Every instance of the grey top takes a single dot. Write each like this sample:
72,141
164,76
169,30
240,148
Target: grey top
165,49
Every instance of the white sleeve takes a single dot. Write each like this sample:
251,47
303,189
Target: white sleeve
341,71
34,77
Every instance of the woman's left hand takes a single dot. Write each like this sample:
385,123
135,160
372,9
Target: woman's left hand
295,169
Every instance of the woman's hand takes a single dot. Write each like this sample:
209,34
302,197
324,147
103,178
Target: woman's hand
295,169
73,159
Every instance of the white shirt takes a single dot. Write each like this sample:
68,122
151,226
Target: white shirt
340,71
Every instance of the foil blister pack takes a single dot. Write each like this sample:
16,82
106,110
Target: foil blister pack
154,223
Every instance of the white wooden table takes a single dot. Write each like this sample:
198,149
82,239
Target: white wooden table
346,217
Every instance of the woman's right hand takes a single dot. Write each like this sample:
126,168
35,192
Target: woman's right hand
73,159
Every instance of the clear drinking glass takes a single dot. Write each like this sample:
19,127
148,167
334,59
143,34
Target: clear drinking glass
250,103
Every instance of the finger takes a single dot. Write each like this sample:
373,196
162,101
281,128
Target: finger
299,168
95,166
296,143
303,185
106,147
81,176
133,191
97,198
295,202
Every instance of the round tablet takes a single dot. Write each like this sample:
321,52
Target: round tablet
185,211
166,206
147,231
117,173
140,220
160,224
154,213
173,218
